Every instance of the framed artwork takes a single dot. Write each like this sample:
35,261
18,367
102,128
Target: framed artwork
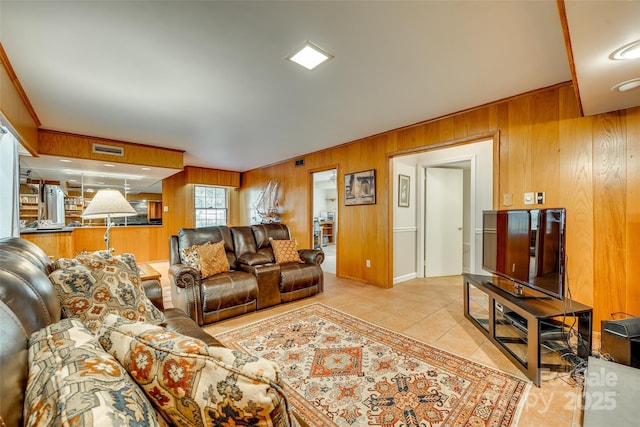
360,188
403,191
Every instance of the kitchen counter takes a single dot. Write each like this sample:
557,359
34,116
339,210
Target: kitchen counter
46,230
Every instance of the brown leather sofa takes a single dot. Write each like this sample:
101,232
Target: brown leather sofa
255,281
28,303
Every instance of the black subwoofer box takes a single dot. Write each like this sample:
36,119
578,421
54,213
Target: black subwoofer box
620,339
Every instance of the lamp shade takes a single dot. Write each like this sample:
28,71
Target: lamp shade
108,203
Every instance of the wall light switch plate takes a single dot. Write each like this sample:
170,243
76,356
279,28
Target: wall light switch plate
166,208
528,198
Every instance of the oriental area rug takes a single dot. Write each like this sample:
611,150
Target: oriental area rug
342,371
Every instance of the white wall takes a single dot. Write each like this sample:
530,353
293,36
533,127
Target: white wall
406,221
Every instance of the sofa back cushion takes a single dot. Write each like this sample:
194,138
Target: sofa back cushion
243,240
262,233
27,250
188,237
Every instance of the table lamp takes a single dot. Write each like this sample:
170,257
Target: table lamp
108,204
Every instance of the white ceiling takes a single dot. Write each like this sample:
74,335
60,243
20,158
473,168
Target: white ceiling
598,28
210,77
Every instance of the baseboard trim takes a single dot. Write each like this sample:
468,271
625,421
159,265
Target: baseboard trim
404,278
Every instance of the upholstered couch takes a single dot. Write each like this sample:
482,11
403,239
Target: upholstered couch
30,316
255,279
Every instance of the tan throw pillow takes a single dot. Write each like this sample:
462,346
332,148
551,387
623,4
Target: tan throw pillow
192,384
213,259
285,251
96,286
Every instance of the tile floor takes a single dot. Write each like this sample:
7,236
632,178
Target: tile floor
430,310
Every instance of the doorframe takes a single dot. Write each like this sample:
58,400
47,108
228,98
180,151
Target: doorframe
421,173
311,187
492,135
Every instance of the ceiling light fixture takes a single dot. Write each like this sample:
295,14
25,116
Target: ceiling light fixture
628,51
627,86
65,161
309,55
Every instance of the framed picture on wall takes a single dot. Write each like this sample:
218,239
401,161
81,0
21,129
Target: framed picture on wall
360,188
403,191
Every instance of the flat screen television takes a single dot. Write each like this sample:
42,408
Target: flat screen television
526,247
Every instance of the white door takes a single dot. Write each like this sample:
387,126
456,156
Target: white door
443,222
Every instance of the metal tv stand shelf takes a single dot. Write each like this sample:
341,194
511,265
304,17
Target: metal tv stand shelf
526,328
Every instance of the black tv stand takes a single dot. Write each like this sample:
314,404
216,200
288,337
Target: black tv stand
525,330
515,289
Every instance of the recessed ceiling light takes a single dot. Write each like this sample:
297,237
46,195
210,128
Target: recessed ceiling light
309,56
628,51
109,165
146,169
65,160
626,86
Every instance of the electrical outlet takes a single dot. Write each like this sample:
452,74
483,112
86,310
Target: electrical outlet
540,198
368,263
528,198
507,199
165,208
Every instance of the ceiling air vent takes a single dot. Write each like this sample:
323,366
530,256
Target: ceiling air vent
299,162
108,149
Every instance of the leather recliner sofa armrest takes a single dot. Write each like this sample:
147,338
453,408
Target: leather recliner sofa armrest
153,291
186,291
183,276
313,256
253,259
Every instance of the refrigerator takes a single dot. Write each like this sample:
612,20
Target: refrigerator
54,203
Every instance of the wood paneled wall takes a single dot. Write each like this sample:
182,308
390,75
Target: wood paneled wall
79,146
16,107
589,165
146,242
55,245
178,196
205,176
